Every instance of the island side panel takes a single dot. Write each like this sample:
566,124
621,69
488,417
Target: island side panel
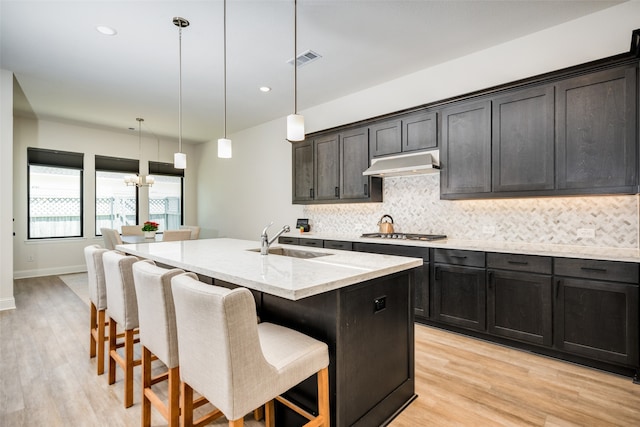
369,330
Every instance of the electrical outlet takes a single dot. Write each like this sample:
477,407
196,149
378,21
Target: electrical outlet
489,230
30,258
586,233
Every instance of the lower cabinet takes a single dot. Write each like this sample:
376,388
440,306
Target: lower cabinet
459,288
519,297
595,318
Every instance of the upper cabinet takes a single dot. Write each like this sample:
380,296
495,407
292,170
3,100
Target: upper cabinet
522,140
409,132
465,153
596,132
575,135
328,168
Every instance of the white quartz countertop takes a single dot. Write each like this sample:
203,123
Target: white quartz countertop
232,260
569,251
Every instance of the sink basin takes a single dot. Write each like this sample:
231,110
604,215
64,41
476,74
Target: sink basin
293,253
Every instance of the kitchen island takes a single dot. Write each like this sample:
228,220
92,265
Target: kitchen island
360,304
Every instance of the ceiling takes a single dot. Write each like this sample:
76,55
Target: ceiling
69,71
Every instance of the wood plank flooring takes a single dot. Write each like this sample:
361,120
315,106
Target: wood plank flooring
47,378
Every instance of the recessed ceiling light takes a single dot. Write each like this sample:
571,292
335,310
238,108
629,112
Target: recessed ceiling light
107,31
265,89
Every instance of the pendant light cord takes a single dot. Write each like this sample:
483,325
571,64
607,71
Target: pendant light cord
295,59
224,73
180,89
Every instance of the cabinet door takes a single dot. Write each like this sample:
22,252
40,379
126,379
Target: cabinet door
303,172
386,137
353,161
459,296
419,131
597,319
465,151
523,140
327,167
596,132
519,306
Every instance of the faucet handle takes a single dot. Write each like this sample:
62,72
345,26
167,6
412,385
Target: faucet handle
265,229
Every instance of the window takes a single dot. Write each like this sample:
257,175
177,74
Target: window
165,197
116,203
55,193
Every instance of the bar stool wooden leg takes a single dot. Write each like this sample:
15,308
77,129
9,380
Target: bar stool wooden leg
112,348
174,397
100,339
269,414
323,396
146,383
128,368
186,400
92,326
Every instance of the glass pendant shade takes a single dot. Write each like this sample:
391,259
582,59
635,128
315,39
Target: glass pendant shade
224,148
295,127
179,160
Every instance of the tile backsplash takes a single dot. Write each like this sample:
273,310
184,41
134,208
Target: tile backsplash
415,205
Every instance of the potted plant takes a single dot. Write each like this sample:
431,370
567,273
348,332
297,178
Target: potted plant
149,228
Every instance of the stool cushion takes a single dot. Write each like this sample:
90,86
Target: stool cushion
121,292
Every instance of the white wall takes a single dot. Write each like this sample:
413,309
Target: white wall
6,184
255,186
58,256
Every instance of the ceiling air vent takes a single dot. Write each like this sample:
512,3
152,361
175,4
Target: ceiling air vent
305,58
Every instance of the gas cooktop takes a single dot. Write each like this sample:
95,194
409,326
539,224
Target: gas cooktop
405,236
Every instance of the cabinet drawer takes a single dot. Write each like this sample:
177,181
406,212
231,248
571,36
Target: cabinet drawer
457,257
595,269
286,240
517,262
316,243
337,244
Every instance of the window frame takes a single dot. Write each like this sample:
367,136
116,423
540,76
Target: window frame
167,169
56,159
114,164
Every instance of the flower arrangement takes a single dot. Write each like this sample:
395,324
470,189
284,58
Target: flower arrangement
150,226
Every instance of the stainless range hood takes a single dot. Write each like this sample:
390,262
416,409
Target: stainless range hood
419,163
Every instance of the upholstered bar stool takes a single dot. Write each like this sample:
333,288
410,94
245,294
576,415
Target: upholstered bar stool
123,311
98,299
156,314
175,235
236,363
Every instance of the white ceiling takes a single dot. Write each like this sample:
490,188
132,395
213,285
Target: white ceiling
69,71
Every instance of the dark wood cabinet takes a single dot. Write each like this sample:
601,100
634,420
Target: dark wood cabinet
523,140
327,166
303,172
459,288
420,131
386,137
354,149
465,150
421,285
519,297
596,132
595,318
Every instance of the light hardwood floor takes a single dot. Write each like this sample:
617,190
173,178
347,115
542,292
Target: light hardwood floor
47,378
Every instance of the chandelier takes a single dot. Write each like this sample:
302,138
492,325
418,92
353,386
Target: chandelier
137,180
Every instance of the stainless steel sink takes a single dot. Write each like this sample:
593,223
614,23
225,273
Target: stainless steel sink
293,253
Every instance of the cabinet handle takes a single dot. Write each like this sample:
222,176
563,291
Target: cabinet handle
599,270
490,280
337,191
311,193
438,273
558,283
366,189
518,262
459,256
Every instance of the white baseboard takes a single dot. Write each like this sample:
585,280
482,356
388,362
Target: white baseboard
56,271
7,304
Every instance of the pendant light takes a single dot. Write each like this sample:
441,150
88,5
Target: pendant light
137,180
179,158
224,144
295,121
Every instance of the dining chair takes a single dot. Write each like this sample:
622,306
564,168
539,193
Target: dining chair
132,230
195,230
158,338
174,235
123,311
237,363
98,303
111,238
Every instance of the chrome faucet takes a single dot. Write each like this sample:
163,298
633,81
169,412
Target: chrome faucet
264,239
